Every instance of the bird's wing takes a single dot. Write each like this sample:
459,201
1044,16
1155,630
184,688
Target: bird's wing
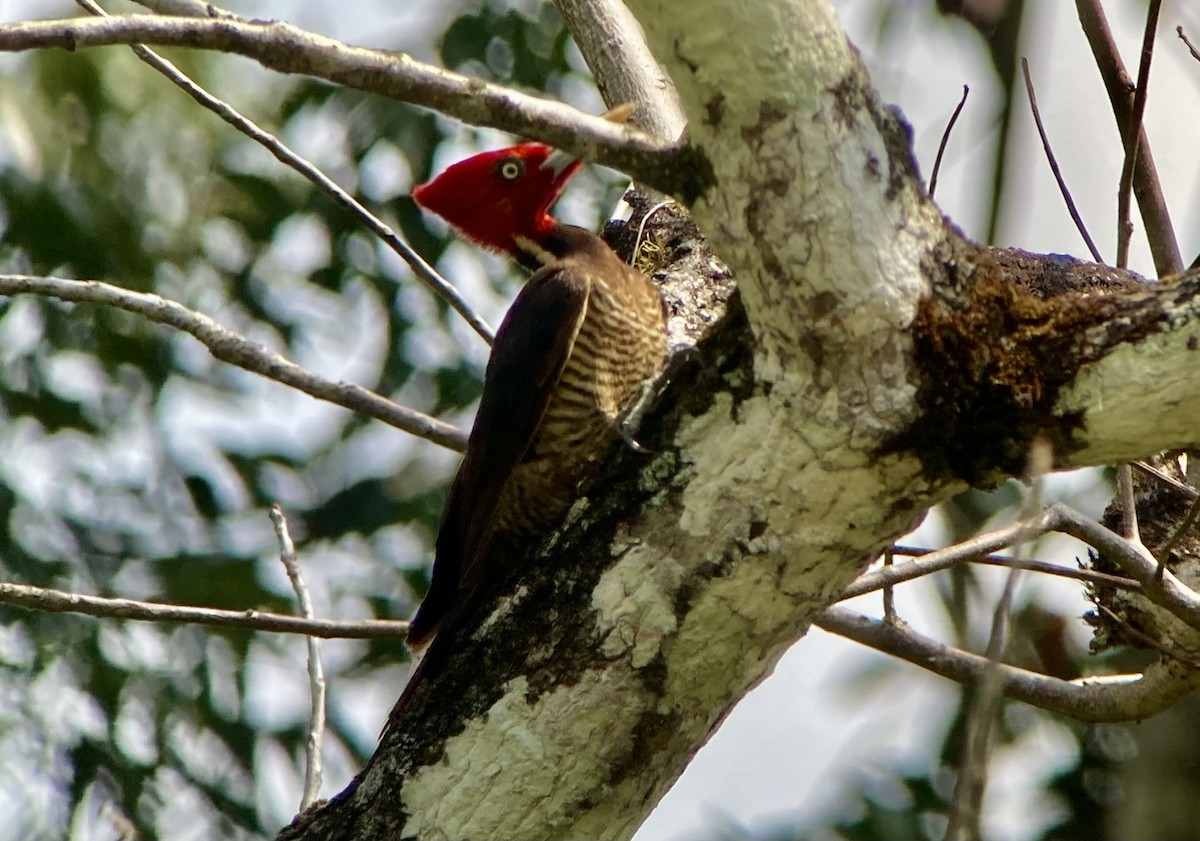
531,348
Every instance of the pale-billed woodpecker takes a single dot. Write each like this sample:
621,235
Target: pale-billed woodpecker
579,341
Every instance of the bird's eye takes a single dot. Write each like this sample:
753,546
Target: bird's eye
511,169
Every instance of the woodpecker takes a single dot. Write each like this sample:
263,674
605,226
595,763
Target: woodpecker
579,341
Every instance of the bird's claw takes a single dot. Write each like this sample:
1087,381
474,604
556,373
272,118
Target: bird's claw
630,418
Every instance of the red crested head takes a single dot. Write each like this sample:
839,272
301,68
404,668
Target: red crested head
494,198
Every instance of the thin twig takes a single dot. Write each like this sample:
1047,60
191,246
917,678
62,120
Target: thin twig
1191,47
316,676
967,803
1156,219
1062,184
1124,225
889,591
634,258
937,162
1167,591
424,272
1089,576
1185,524
1145,639
966,806
1128,504
952,555
1169,481
229,347
1092,699
58,601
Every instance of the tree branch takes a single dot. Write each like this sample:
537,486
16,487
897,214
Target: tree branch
1164,589
1146,186
229,347
1058,176
57,601
424,272
1135,132
1117,582
950,556
289,49
625,70
316,676
1086,699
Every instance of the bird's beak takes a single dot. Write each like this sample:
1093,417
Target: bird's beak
560,164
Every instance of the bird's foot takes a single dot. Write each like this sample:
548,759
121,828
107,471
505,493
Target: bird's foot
629,421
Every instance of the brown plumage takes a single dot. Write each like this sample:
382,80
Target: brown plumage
582,336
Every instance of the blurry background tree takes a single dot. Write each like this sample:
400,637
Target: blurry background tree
133,464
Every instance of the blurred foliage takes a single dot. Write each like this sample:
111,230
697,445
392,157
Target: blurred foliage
132,464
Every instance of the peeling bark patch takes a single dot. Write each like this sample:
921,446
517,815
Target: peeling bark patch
993,357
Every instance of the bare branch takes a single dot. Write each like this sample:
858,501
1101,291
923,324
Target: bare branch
229,347
937,162
289,49
424,272
1125,498
184,8
889,590
984,706
1166,590
1086,699
1062,184
1117,582
1189,520
1191,47
1124,226
316,677
1169,481
952,555
1146,187
611,41
57,601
